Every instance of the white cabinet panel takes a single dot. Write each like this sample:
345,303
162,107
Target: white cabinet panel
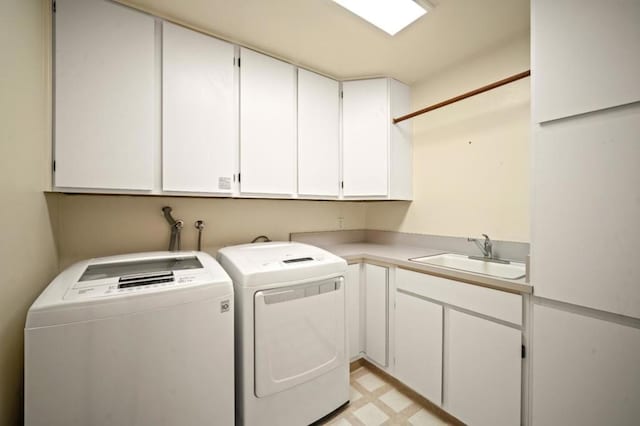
105,86
199,136
365,112
585,56
483,370
318,135
486,301
401,148
267,125
376,313
418,348
585,370
352,295
586,214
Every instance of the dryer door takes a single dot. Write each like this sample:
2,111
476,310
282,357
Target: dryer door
299,334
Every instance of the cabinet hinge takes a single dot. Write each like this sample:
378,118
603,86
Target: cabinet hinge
53,166
53,7
524,352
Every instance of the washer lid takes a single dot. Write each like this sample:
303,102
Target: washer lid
120,285
251,265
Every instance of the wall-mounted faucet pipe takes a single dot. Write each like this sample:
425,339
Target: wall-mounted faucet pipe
199,226
176,227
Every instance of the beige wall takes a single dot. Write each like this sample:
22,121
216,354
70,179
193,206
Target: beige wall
27,251
471,159
92,225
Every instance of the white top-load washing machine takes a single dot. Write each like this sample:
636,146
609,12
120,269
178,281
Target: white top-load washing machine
143,339
291,361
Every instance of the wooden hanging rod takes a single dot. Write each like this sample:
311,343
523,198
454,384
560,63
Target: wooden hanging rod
464,96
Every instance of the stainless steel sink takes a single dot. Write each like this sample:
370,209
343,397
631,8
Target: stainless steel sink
510,271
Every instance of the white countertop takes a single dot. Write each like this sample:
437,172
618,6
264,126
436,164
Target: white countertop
399,255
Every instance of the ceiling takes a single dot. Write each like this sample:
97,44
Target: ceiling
321,35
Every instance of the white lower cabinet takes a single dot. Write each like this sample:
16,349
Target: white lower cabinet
585,369
352,292
418,345
376,313
458,345
482,370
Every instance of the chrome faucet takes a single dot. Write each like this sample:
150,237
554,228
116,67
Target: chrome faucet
486,247
487,250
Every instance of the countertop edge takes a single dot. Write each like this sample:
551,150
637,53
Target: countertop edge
469,278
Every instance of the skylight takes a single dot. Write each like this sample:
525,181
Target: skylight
390,16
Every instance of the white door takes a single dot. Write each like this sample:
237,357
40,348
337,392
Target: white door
299,334
376,313
482,370
586,211
267,125
365,127
352,296
105,96
585,56
318,135
418,349
585,370
199,122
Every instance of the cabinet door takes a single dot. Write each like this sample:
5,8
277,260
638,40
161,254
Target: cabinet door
585,370
318,135
483,370
199,134
267,125
585,56
105,92
376,313
352,295
365,124
586,211
418,350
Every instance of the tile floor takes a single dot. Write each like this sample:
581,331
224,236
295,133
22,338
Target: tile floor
376,402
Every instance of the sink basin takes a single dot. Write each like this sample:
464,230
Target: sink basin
510,271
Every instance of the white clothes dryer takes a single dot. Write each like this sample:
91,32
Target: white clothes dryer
291,361
142,339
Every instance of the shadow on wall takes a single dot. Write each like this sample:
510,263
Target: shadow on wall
101,225
391,213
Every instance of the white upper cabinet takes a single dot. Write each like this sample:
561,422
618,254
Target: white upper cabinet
365,111
267,125
318,135
585,56
376,153
199,122
105,87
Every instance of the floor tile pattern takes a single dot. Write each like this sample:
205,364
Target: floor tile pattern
376,402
